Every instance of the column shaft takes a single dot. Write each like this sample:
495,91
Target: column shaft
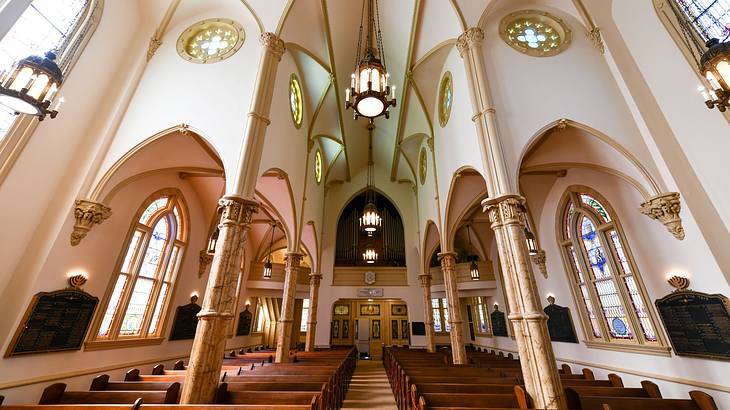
425,279
206,356
448,267
314,280
286,318
539,369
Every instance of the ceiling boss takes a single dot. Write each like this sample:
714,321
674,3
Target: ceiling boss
369,94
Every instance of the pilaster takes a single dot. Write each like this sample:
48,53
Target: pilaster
286,319
314,280
87,214
425,279
448,267
206,356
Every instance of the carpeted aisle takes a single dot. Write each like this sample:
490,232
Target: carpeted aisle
369,388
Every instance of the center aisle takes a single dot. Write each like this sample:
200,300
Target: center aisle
369,388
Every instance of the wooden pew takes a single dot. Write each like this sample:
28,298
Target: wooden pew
442,401
647,390
228,394
102,382
157,407
698,401
57,394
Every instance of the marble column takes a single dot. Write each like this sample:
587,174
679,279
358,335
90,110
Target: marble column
314,280
448,267
539,369
218,307
286,318
425,279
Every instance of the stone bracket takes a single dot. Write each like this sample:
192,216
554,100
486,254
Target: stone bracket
205,260
539,259
87,214
665,208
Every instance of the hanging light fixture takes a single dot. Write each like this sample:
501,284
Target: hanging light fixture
213,241
370,255
531,242
370,95
473,266
715,67
31,84
370,220
267,265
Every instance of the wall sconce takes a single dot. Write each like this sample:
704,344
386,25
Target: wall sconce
551,298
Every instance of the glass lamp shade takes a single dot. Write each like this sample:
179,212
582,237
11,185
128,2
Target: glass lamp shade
213,241
474,270
267,270
31,84
370,220
370,107
715,65
370,256
531,242
369,90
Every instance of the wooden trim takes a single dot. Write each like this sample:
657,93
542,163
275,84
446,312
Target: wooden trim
630,347
121,343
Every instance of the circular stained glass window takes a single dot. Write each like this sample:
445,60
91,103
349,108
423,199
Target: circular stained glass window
210,41
318,167
535,33
422,165
295,100
446,98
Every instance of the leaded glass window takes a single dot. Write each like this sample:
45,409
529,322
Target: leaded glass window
305,316
440,308
603,274
296,106
140,294
710,18
45,25
481,307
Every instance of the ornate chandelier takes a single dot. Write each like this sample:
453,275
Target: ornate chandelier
369,94
370,220
30,85
268,266
370,255
715,67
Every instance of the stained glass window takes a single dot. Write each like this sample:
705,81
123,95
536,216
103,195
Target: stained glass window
141,291
305,316
295,100
318,166
482,315
446,98
422,165
535,33
210,41
603,273
45,25
260,318
440,310
710,18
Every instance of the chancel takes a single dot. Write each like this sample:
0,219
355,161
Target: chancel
349,204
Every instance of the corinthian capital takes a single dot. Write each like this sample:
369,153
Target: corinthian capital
425,279
448,260
665,208
293,260
87,214
471,38
273,43
315,279
236,210
505,209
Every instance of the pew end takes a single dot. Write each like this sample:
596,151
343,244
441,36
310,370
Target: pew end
179,365
159,369
100,382
523,399
588,374
651,389
131,375
52,394
565,369
615,380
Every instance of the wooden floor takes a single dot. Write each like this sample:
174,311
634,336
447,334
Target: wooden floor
369,388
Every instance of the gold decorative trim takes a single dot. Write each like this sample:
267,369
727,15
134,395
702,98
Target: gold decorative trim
215,23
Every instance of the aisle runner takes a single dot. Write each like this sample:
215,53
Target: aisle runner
369,388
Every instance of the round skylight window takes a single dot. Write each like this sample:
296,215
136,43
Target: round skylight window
295,100
535,33
446,98
210,41
318,167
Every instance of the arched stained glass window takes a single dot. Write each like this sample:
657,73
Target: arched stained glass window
141,290
710,18
61,25
605,280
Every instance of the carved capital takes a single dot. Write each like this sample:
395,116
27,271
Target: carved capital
539,259
155,43
273,43
236,210
293,260
425,279
505,210
665,208
469,39
205,259
87,214
595,36
448,260
315,279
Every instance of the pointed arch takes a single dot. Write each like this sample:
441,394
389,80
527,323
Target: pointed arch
468,188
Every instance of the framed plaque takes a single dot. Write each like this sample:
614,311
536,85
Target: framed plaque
186,321
399,310
370,310
54,322
244,323
560,324
698,324
342,310
499,322
419,328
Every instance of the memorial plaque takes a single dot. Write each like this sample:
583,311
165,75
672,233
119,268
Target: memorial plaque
698,324
419,328
245,319
560,324
499,323
186,321
55,321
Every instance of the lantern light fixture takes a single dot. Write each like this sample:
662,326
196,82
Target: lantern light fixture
370,255
267,265
370,221
31,85
473,266
715,68
370,94
531,241
213,241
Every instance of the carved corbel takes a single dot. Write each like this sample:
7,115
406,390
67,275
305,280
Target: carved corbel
665,208
87,214
205,260
594,35
539,259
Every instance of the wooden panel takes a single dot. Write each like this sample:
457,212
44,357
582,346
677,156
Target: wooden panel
384,276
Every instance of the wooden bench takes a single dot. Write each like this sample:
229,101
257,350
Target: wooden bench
157,407
647,390
102,382
698,401
517,400
57,394
228,394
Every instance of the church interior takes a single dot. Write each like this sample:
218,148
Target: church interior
346,204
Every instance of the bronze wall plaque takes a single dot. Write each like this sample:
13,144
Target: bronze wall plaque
560,324
55,321
419,328
499,323
698,324
245,319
